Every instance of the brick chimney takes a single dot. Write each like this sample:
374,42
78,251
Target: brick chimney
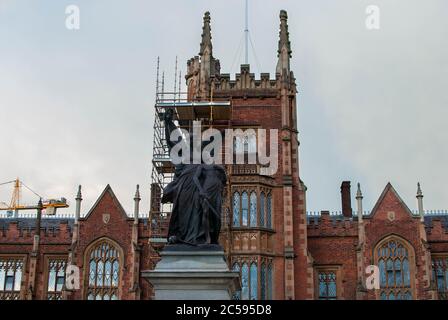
346,199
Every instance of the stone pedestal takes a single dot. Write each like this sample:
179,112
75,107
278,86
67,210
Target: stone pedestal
193,273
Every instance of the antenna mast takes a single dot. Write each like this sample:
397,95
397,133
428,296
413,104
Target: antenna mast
246,33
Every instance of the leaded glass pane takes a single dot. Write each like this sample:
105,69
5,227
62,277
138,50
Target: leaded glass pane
262,213
99,274
253,282
237,294
51,280
322,285
115,273
382,267
263,281
253,209
92,272
332,285
269,211
390,272
398,277
236,209
269,284
18,279
245,282
2,278
9,283
244,208
406,273
108,273
407,296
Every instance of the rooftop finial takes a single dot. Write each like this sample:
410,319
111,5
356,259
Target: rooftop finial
137,193
206,40
419,190
284,45
79,195
358,192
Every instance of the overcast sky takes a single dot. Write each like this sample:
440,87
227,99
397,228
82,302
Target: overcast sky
76,107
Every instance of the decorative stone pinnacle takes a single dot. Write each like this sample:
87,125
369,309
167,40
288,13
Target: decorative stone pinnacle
137,193
419,191
79,195
206,40
358,192
284,33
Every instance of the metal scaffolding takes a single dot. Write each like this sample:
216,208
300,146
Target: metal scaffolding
185,112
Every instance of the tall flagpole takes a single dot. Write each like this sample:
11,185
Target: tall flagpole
246,32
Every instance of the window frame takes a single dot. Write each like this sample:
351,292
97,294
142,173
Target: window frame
47,259
336,269
24,258
411,262
439,256
86,264
261,211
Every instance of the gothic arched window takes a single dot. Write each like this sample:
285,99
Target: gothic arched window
56,278
262,198
236,209
244,208
10,277
104,271
440,276
253,209
394,262
253,281
269,211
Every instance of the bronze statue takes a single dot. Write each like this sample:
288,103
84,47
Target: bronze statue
196,194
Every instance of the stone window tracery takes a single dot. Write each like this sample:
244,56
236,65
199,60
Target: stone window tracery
440,276
11,270
103,271
56,278
394,261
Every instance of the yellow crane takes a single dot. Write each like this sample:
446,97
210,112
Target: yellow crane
15,203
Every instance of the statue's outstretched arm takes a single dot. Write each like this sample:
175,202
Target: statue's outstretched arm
169,127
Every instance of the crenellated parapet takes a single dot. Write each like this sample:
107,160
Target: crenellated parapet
437,228
327,225
22,230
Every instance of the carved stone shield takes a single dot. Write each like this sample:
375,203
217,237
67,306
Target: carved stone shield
106,217
391,216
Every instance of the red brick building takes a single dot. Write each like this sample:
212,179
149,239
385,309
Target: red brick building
281,251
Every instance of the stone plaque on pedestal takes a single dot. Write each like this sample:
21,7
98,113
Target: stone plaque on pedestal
193,273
